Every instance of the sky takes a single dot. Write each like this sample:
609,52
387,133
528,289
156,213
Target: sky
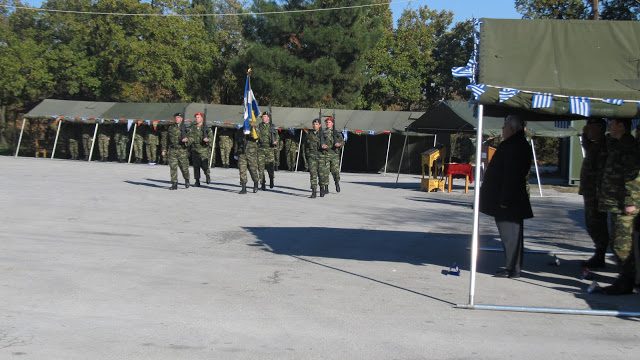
462,9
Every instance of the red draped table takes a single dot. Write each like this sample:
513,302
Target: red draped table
459,169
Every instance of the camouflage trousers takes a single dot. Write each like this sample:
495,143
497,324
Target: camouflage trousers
597,226
265,161
318,170
138,142
121,146
225,152
248,161
73,148
86,144
292,152
333,162
276,158
103,146
200,159
622,232
178,158
152,152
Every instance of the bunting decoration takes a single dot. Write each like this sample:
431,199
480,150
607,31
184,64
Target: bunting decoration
561,124
155,124
541,100
613,101
477,90
372,132
129,123
507,93
579,106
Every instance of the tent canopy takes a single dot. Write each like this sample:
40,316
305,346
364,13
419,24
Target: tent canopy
567,58
357,121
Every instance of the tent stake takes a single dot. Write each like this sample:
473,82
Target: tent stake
535,162
402,155
133,138
55,142
299,149
476,207
213,147
386,160
20,138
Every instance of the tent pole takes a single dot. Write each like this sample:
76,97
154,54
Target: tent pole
20,138
535,161
476,207
213,147
402,155
342,155
93,141
133,138
386,160
55,142
299,149
435,140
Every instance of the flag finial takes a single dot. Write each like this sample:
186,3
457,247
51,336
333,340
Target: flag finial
249,72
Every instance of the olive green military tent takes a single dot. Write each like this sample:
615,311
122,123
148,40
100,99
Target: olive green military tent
553,70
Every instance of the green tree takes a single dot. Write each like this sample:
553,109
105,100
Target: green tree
553,9
620,10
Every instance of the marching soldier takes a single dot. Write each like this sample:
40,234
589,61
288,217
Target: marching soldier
246,152
333,154
315,148
265,151
277,150
199,140
164,138
176,151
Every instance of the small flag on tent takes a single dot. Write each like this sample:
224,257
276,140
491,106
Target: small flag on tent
506,94
477,90
345,133
240,126
561,124
579,105
155,124
613,101
129,123
372,132
148,122
116,121
461,71
541,100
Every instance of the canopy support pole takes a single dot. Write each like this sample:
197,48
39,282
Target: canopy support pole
476,208
213,147
133,138
402,155
386,160
299,149
93,140
55,142
551,310
20,138
342,155
535,161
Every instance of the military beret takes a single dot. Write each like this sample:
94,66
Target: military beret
178,114
316,121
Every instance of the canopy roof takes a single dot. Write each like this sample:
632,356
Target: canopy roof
458,116
578,58
358,121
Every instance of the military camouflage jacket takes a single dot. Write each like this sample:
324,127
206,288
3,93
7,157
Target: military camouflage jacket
174,140
195,138
329,134
264,135
620,181
313,143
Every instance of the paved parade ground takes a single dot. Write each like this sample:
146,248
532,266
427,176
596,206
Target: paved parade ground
100,261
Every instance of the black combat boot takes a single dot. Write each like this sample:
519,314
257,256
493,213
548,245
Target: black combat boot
264,185
197,183
337,187
595,262
208,179
271,182
174,186
326,189
313,193
255,187
226,166
138,160
86,158
321,190
244,189
186,184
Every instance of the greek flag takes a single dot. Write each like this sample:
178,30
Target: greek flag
129,123
635,123
251,111
579,105
463,71
477,90
506,94
613,101
541,100
561,124
372,132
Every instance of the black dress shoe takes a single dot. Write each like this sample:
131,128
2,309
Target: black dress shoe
595,262
504,273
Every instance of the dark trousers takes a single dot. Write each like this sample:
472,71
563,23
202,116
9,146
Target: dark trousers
512,236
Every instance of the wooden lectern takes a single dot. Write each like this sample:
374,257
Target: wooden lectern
433,179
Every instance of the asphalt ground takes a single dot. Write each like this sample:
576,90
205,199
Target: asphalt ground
100,261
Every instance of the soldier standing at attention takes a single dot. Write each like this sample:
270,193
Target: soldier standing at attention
313,148
620,197
593,142
104,137
247,155
200,146
290,149
177,151
121,137
151,140
71,133
333,154
164,138
265,151
138,143
277,150
87,138
225,140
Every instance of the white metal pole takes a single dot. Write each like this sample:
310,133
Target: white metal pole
435,140
386,161
342,155
476,207
133,139
552,310
55,142
535,161
213,147
402,155
299,149
93,141
20,138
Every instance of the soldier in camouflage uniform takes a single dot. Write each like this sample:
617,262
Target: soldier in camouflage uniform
72,134
164,138
200,145
246,152
620,196
121,137
277,150
265,151
138,143
305,154
225,144
176,151
87,138
316,148
333,154
104,137
290,149
151,141
593,142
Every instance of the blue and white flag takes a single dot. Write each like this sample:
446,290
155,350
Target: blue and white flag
635,123
561,124
372,132
116,121
462,71
148,122
541,100
251,111
477,90
579,105
240,126
129,123
613,101
345,133
506,94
